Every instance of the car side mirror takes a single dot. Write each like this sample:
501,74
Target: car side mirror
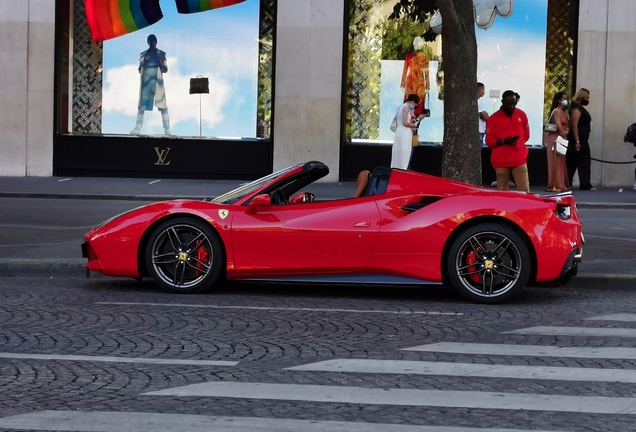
262,200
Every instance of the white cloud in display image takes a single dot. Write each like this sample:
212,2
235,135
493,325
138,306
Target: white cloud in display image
221,45
121,95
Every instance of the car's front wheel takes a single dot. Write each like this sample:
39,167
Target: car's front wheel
489,263
184,255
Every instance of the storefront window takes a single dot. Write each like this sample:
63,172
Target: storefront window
140,83
387,61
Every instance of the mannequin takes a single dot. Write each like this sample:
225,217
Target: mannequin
415,79
152,66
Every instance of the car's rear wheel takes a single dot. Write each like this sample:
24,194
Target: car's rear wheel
489,263
184,255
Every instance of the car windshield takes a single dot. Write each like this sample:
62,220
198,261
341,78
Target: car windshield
246,189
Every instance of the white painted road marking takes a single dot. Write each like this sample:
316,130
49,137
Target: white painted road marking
526,350
470,370
407,312
112,359
576,331
406,397
624,317
151,422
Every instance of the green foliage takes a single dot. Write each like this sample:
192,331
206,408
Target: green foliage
397,39
415,10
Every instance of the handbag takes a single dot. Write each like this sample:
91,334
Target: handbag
199,85
393,126
550,127
561,145
416,140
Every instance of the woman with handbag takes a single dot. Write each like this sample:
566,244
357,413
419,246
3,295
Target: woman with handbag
557,127
403,139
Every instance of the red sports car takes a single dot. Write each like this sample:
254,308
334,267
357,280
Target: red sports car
406,227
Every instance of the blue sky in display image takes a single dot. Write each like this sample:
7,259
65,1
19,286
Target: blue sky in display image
511,55
220,44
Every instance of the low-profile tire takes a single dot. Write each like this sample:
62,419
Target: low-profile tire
184,255
489,263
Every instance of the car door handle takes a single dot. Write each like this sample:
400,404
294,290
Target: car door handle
362,225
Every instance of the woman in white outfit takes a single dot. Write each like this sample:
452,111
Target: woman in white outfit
403,139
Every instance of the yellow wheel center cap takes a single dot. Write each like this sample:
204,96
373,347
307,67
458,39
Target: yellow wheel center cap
183,256
489,264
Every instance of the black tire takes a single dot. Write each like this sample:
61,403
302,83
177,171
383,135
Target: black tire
184,255
489,264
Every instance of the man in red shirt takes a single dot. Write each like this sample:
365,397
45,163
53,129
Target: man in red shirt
506,134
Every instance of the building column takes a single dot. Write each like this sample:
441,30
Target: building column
308,83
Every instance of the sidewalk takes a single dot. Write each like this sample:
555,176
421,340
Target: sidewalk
65,261
156,190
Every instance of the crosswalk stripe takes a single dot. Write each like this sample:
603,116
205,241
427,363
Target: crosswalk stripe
154,422
291,309
470,370
576,331
406,397
615,317
111,359
526,350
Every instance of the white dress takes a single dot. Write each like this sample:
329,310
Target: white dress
402,141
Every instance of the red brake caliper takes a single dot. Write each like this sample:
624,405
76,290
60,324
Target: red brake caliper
472,259
202,255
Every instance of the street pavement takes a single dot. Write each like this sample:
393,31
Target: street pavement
607,214
105,355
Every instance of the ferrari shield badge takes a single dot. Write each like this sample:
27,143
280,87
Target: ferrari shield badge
223,213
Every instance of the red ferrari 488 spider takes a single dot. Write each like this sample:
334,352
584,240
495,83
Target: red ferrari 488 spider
406,227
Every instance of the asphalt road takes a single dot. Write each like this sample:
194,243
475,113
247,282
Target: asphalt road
111,354
116,355
54,228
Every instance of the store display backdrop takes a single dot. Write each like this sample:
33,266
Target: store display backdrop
248,107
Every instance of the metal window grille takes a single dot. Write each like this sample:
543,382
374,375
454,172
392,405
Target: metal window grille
559,54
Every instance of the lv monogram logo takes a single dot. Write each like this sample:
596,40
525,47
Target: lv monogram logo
162,155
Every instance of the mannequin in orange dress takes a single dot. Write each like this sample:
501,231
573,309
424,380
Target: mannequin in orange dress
415,74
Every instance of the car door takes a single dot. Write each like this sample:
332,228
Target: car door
308,238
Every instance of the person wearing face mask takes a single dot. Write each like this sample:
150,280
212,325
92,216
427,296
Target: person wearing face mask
557,169
578,155
507,132
407,123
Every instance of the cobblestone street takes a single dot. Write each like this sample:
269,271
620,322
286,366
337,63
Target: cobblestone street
92,354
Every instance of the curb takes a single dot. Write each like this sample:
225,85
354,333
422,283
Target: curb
622,206
42,267
104,197
74,268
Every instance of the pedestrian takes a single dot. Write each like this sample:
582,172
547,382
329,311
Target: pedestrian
481,110
407,123
557,169
579,154
630,137
506,134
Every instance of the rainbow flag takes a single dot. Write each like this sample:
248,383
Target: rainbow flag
192,6
108,19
